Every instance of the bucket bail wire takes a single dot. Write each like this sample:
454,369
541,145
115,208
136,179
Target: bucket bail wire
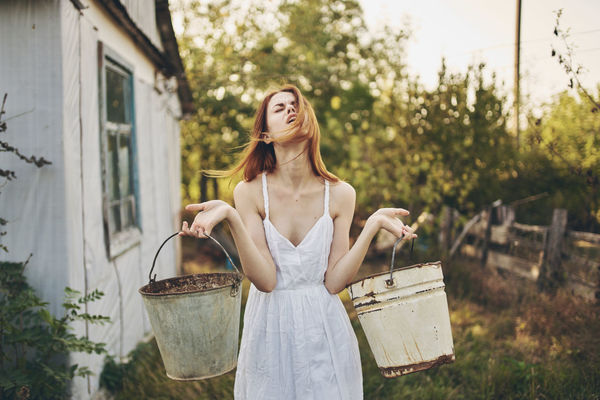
152,279
390,282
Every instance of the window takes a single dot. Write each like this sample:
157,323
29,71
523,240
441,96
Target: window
119,172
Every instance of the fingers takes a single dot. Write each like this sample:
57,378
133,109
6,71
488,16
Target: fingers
195,207
185,230
408,232
401,211
194,231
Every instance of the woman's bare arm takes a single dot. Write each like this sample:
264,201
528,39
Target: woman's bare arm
248,233
344,263
249,236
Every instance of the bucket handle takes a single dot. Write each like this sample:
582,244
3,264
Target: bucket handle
390,282
153,279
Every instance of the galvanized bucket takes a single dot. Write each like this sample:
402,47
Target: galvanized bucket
195,319
404,314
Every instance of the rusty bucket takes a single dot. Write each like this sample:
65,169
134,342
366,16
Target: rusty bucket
404,314
195,320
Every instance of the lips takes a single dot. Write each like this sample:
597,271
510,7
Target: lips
291,118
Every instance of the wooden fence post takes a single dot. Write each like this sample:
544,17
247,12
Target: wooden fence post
506,215
550,274
487,237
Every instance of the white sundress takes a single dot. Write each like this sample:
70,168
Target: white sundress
297,341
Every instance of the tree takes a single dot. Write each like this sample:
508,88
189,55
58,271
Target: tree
395,142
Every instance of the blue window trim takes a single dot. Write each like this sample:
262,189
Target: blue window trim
119,242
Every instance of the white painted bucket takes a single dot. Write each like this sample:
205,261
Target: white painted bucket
404,314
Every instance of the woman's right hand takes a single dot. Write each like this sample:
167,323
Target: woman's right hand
210,213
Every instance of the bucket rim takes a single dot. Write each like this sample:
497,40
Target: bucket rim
419,265
199,378
239,277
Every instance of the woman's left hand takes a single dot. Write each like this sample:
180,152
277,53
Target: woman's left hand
387,218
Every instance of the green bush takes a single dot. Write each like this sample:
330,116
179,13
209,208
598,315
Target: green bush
34,344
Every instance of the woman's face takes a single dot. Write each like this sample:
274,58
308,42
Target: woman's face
281,112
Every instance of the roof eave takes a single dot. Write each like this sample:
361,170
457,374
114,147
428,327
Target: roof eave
167,35
169,63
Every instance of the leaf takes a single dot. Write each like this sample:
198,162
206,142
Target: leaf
45,314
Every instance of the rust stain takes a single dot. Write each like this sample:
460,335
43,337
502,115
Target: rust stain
407,352
368,303
387,356
427,290
417,347
391,372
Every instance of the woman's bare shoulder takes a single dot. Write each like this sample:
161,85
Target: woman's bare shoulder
248,192
342,190
343,198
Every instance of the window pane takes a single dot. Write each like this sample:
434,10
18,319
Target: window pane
115,218
128,212
117,96
124,170
118,141
113,167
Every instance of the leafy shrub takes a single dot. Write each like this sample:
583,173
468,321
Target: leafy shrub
34,344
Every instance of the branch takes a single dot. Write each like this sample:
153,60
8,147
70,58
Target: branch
39,162
568,63
3,123
8,174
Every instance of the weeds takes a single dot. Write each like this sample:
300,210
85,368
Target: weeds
510,343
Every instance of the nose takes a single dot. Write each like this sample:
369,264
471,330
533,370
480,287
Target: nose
290,108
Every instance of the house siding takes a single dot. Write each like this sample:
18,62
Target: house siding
49,69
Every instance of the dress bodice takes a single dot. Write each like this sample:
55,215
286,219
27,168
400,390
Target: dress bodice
303,265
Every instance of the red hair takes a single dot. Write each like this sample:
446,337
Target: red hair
259,155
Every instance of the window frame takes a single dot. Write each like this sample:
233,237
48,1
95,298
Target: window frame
121,241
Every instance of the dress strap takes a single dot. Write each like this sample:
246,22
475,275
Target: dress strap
265,193
326,207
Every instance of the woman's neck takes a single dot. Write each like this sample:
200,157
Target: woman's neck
293,167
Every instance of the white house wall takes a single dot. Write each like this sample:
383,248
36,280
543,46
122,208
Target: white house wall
115,37
34,203
49,69
155,125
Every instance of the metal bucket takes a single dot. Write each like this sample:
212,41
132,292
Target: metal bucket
404,314
195,319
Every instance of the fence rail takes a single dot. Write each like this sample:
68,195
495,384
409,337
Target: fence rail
585,236
549,255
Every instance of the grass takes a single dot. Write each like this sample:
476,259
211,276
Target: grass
511,342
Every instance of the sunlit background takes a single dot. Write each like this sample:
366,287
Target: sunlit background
466,32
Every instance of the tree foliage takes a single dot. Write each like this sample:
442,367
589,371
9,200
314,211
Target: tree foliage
396,142
562,157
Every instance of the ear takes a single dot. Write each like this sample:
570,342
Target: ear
265,137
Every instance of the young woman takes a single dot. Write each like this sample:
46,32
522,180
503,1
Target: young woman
291,225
